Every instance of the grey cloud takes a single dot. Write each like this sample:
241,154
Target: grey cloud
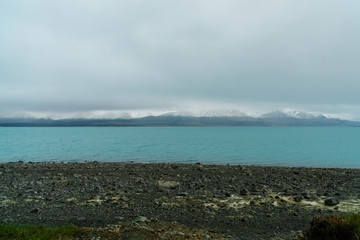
115,55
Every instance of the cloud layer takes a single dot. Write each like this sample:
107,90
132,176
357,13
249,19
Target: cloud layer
88,55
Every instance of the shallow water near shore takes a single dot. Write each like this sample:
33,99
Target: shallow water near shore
276,146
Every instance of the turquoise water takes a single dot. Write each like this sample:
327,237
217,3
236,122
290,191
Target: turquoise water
276,146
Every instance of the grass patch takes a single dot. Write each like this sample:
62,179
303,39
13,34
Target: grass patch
29,232
334,227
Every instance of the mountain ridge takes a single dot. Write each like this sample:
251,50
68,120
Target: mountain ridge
269,119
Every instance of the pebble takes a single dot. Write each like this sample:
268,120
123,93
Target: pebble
184,195
140,219
174,233
206,236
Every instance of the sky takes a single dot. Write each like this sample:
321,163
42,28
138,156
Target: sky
80,57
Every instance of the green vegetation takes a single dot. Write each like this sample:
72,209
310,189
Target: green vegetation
334,227
28,232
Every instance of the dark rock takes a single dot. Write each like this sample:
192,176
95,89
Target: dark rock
244,192
327,193
331,201
210,208
35,210
319,194
305,195
298,198
183,194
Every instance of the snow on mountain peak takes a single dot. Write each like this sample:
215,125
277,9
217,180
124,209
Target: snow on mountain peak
292,114
208,113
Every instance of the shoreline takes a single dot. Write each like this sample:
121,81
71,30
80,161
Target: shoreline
238,201
177,163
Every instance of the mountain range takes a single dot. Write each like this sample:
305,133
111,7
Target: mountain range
206,118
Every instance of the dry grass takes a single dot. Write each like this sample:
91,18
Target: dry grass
334,227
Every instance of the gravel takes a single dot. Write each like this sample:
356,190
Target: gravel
244,202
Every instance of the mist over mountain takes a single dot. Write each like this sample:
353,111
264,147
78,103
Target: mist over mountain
208,113
221,117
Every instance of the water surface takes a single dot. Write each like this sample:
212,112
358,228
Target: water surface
280,146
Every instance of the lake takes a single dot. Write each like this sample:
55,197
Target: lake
268,146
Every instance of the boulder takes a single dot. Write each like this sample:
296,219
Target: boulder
168,184
331,201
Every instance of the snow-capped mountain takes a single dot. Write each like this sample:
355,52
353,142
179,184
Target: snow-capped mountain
222,117
304,115
292,114
207,113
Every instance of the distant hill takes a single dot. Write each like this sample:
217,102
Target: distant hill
270,119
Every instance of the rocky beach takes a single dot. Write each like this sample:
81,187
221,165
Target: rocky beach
175,201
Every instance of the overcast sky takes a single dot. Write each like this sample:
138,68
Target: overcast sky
78,56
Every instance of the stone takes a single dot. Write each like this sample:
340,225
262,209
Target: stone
168,184
331,201
141,219
244,192
305,195
298,198
35,210
206,236
183,194
124,198
174,233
